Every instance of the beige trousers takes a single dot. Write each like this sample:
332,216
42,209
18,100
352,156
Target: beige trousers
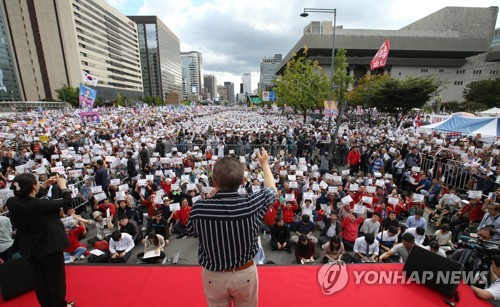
241,287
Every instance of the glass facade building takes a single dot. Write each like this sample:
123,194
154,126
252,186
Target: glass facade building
192,72
160,58
9,89
267,69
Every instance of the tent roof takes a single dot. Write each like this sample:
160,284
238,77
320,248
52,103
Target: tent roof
493,111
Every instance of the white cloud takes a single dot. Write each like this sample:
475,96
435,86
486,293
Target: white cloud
233,36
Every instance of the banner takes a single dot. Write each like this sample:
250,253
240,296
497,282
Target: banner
381,56
87,98
89,79
330,108
90,117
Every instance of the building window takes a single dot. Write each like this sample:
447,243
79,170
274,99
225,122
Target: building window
441,70
424,70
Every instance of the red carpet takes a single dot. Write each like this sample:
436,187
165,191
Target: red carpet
128,286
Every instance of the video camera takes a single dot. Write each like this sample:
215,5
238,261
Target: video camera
484,250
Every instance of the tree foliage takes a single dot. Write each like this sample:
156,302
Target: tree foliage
486,92
69,94
395,96
303,86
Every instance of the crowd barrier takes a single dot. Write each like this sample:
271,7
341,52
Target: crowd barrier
452,173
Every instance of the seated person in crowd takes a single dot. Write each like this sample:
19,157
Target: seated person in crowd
153,242
159,225
435,248
388,238
418,233
333,249
443,237
365,249
6,239
391,221
103,228
417,220
304,251
182,217
371,225
120,246
471,213
492,293
270,216
304,227
491,218
280,236
105,206
308,209
350,225
288,210
71,217
75,250
402,249
333,228
129,226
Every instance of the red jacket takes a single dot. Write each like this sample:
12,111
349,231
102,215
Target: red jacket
183,215
289,213
350,229
475,213
353,157
73,239
271,213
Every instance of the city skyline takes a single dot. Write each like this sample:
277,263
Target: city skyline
234,36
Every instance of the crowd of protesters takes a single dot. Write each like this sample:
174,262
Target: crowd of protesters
362,200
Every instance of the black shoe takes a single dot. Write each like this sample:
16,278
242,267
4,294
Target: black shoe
180,236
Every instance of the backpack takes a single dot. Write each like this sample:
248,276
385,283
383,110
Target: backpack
104,258
138,217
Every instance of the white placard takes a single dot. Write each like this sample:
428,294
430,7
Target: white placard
97,189
393,200
292,177
158,200
6,194
315,187
191,187
290,197
256,188
293,167
418,198
337,179
142,182
57,169
185,178
120,195
354,187
377,174
123,187
150,177
283,173
115,182
380,183
345,172
100,197
308,195
415,169
158,173
371,189
242,191
346,200
75,173
367,199
175,187
388,176
475,194
333,189
359,209
195,199
188,170
293,184
323,185
174,207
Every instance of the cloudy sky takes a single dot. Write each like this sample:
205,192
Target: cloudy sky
234,35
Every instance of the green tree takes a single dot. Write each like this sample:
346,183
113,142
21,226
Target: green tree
486,92
361,95
303,85
157,101
69,94
341,83
396,96
119,100
99,101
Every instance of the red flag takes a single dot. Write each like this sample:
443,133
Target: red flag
419,121
381,57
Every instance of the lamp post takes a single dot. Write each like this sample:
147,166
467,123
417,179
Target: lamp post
334,12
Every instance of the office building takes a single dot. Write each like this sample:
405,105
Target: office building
453,44
54,42
246,79
230,91
267,69
210,83
192,72
9,88
160,59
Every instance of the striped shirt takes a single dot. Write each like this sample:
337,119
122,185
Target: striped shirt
227,227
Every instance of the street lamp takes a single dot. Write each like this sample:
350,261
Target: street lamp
334,12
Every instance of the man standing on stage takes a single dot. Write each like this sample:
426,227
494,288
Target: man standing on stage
227,228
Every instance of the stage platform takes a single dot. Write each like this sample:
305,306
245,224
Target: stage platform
148,285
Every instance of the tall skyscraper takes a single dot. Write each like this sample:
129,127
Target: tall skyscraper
267,68
230,91
246,79
192,72
55,41
210,82
9,88
160,59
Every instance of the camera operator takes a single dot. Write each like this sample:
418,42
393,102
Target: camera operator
491,218
492,293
